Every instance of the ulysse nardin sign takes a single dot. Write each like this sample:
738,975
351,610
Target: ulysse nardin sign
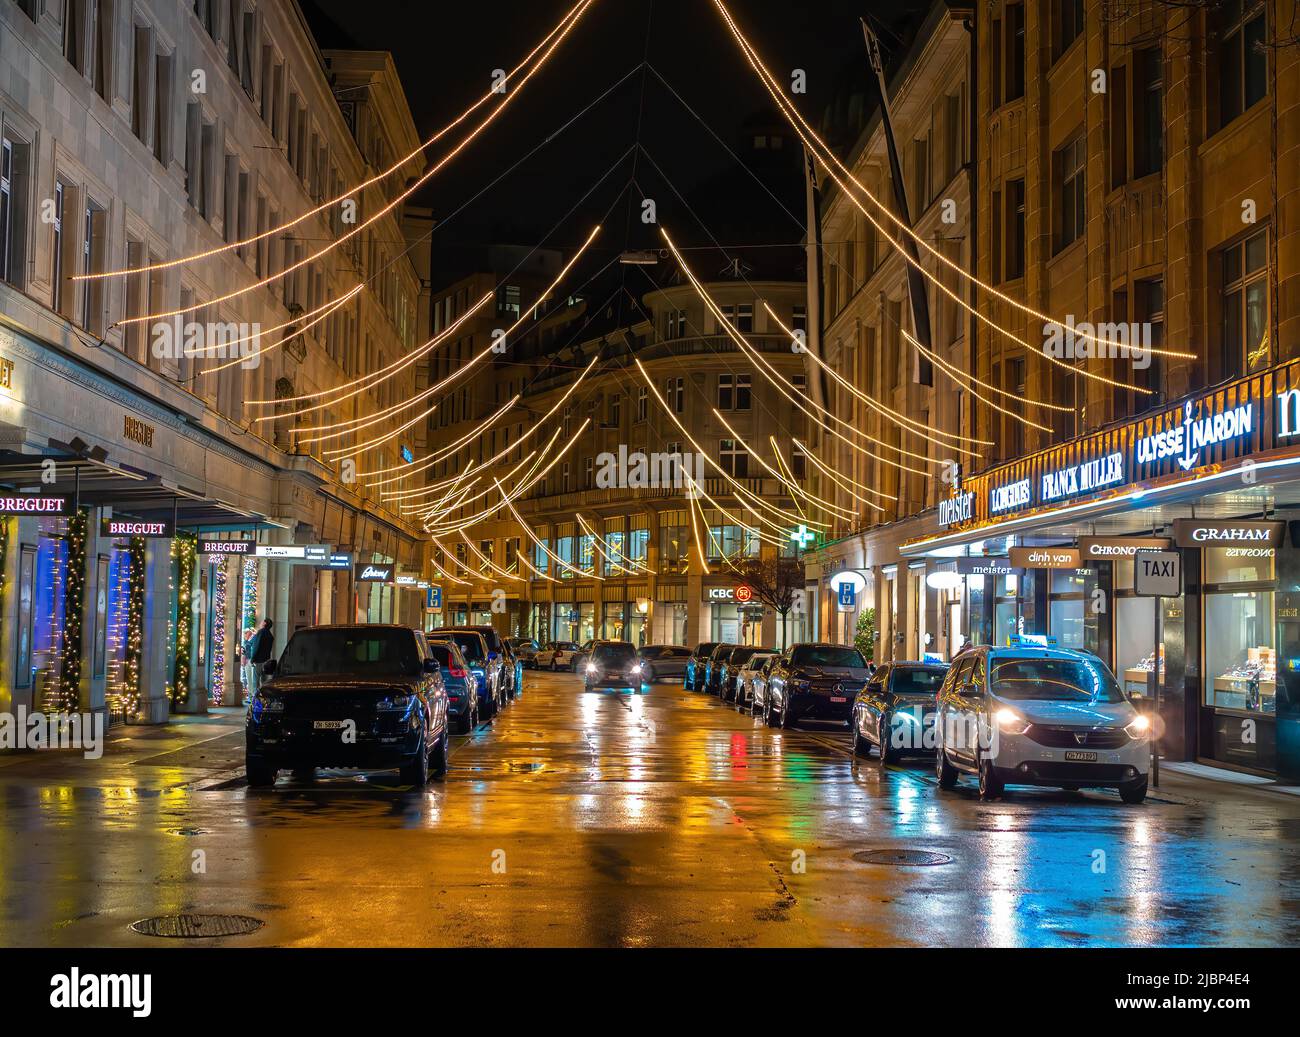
954,510
1186,441
33,505
1237,534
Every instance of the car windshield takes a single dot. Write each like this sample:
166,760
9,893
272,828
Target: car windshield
343,650
740,655
489,637
470,645
1053,680
620,652
916,681
825,655
444,653
706,649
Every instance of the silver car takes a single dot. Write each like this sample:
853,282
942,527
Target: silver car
661,662
751,673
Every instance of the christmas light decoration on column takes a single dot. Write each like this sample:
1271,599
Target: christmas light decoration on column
135,625
183,550
218,632
74,602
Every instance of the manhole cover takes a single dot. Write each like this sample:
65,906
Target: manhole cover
193,927
902,858
189,831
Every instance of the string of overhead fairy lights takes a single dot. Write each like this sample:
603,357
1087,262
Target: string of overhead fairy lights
830,162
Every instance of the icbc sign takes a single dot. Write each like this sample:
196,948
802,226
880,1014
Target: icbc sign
744,593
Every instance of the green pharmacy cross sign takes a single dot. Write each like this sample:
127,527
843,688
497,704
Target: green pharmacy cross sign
803,537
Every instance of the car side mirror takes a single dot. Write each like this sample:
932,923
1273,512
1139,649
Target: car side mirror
432,666
269,667
970,691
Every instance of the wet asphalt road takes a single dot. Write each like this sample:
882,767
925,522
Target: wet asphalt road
661,819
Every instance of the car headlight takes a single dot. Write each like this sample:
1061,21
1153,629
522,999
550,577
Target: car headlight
1010,722
263,703
798,685
591,667
1140,727
636,667
395,702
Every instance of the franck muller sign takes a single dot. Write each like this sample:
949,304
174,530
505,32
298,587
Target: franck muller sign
1087,477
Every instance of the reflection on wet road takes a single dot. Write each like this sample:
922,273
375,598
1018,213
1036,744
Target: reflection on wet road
608,819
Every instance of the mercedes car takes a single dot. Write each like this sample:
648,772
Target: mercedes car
814,682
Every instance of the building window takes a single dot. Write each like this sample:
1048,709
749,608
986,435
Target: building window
1149,117
93,241
734,459
1151,320
589,474
642,404
726,391
1068,25
676,394
14,158
1015,229
1245,306
1068,189
616,410
56,248
1015,51
162,108
745,318
1241,57
799,317
798,463
743,391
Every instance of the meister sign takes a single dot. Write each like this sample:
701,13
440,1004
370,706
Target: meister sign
987,567
958,509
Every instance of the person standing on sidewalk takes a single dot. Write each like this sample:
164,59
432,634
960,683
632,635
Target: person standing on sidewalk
260,649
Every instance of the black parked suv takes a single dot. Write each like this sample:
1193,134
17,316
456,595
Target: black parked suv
366,696
814,682
728,685
713,667
498,660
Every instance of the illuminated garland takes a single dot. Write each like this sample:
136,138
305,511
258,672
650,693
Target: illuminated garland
68,697
248,604
183,549
4,558
218,632
134,625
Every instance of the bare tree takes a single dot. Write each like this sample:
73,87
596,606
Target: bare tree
775,582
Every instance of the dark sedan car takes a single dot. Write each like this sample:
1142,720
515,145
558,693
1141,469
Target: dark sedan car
895,709
364,696
460,682
613,664
486,674
729,671
814,682
664,661
509,675
525,649
693,680
713,667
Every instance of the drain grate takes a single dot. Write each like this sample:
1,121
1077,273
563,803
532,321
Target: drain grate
902,858
193,927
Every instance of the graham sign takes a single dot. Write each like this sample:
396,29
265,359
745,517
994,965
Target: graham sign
1233,533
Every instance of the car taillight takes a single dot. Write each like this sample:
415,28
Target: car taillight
456,671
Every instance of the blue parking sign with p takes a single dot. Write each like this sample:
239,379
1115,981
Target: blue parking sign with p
848,595
433,597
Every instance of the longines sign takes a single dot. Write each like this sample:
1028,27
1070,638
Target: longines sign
1239,420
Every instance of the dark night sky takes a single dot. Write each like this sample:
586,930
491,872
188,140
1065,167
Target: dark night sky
445,53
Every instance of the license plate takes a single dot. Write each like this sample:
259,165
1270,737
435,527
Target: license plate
1073,756
337,725
839,698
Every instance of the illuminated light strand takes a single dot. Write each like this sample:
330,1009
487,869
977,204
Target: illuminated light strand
699,492
888,412
342,428
438,512
357,188
226,344
987,385
414,186
793,115
430,461
861,486
795,488
638,568
756,530
836,479
493,568
522,555
438,569
454,499
522,489
780,463
537,540
780,383
455,480
957,374
695,533
739,490
598,548
452,555
358,386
